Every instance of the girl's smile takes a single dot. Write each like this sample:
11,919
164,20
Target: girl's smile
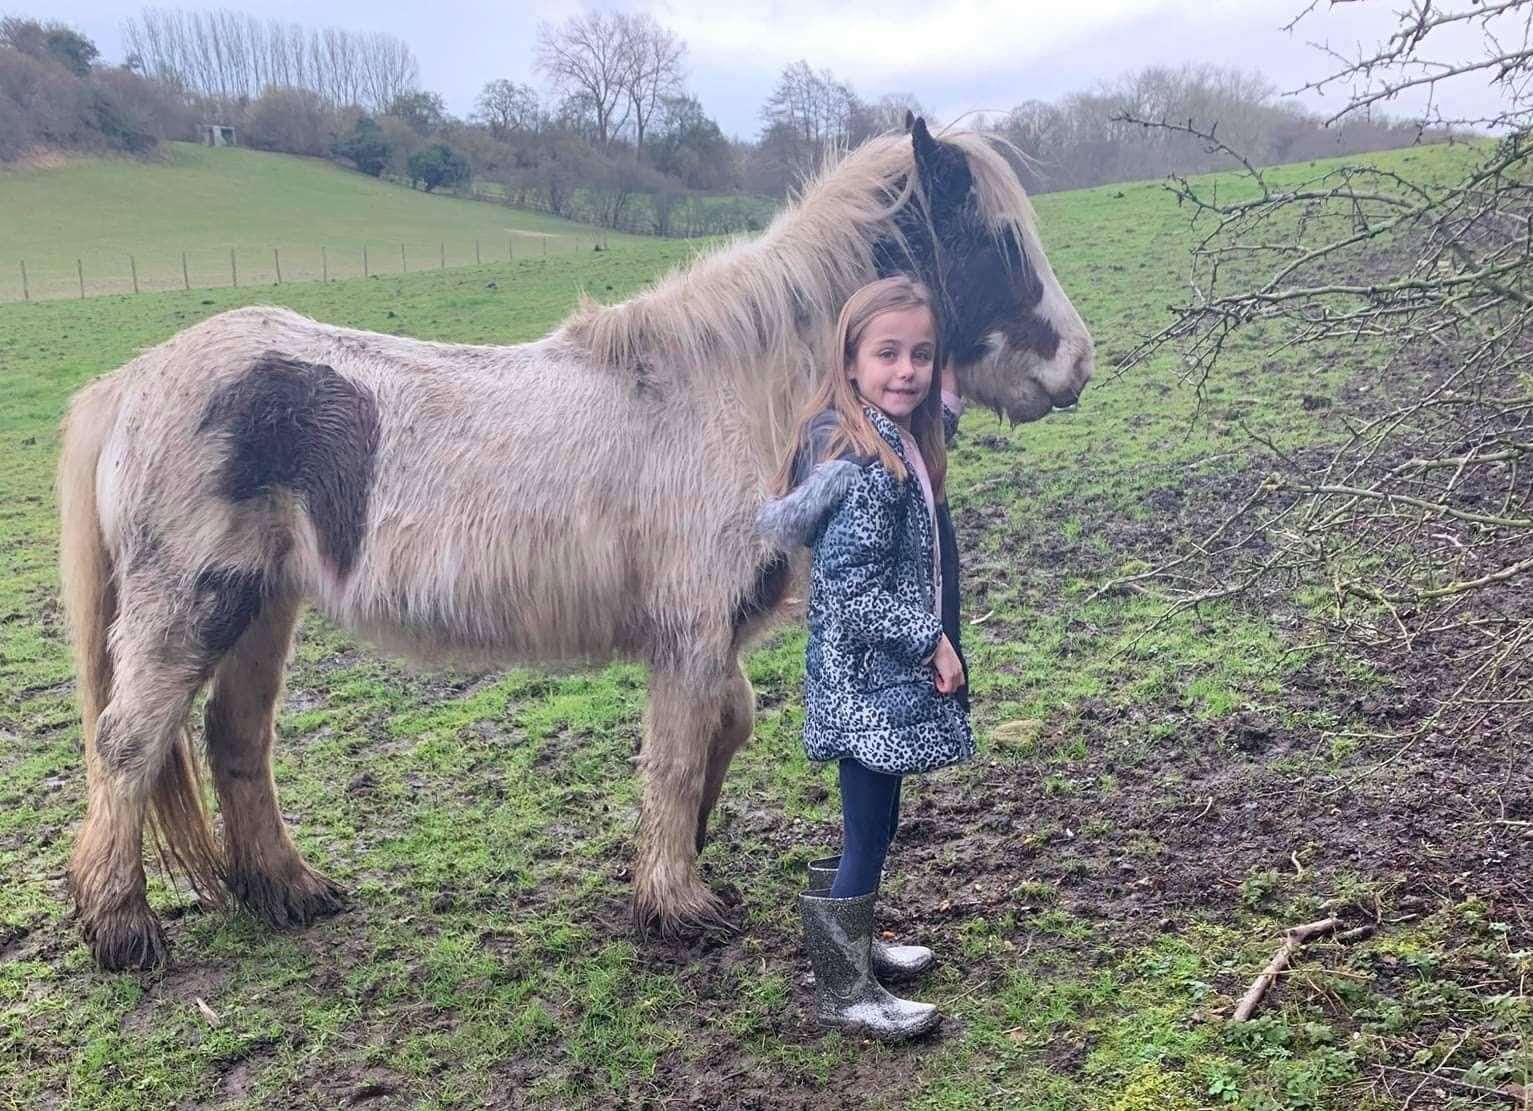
893,367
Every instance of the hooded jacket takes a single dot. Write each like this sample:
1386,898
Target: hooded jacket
870,691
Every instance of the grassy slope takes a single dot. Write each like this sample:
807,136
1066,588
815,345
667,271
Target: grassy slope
205,201
483,823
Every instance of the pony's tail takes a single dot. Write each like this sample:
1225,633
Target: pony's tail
90,600
85,565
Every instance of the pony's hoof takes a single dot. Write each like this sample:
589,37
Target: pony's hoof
285,904
683,915
127,942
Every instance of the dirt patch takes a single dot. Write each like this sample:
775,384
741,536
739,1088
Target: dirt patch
178,987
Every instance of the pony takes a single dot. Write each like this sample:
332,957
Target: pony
586,497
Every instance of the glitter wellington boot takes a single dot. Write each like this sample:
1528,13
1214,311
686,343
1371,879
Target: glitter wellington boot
838,933
891,963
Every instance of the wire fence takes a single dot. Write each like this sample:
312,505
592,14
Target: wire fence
99,273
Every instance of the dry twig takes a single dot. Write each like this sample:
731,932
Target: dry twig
1294,938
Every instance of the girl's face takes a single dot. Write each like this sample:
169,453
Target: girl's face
893,365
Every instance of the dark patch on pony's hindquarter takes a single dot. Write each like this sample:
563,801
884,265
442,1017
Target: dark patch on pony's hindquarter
304,428
766,591
230,599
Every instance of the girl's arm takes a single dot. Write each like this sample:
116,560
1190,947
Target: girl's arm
855,554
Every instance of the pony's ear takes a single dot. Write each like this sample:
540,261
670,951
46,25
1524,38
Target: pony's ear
942,168
927,148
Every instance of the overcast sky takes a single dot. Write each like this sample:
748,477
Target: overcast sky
955,57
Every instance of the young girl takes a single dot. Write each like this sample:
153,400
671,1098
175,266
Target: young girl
883,675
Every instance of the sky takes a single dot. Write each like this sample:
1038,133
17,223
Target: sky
955,57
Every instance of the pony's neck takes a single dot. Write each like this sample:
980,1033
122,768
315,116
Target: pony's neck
744,311
761,308
741,332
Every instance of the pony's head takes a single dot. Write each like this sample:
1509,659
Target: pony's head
966,229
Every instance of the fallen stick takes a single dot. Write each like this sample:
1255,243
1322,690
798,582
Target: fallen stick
1294,937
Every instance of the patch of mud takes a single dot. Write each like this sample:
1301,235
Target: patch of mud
176,988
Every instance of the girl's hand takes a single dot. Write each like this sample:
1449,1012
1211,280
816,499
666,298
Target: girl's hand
949,669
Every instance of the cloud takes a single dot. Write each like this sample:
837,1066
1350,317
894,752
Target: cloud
868,45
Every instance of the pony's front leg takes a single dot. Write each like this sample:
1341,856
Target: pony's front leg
683,716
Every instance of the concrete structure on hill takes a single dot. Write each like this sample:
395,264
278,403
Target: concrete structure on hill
216,135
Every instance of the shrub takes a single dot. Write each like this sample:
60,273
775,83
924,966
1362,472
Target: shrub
297,121
366,147
438,165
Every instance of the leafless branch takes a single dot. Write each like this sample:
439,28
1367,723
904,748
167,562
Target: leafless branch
1417,522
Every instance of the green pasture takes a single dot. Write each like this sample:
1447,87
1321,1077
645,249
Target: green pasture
484,824
205,202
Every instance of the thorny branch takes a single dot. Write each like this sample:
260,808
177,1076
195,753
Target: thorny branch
1415,526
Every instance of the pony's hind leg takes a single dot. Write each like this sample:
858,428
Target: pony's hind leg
736,719
681,721
264,869
139,757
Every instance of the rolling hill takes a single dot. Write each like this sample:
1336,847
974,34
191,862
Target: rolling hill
207,202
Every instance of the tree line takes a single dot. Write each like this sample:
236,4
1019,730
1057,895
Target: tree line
613,136
230,56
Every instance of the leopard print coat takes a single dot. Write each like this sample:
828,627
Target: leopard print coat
869,694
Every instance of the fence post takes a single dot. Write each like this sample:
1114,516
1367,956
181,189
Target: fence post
26,294
186,280
476,252
365,274
133,269
545,248
324,264
276,260
80,272
234,270
442,256
510,254
404,267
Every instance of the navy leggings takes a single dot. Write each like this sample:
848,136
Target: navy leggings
870,813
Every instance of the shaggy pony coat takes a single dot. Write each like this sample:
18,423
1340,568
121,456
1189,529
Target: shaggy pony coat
586,497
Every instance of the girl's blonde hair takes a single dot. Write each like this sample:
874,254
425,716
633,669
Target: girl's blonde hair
837,392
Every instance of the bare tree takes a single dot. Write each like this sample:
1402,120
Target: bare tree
655,71
887,113
590,56
388,69
506,107
230,56
810,114
1418,527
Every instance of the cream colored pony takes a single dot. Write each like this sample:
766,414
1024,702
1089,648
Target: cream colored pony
583,498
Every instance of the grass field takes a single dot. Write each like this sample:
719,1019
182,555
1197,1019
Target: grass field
1151,805
206,202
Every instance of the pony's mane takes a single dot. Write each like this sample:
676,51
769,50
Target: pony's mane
769,303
